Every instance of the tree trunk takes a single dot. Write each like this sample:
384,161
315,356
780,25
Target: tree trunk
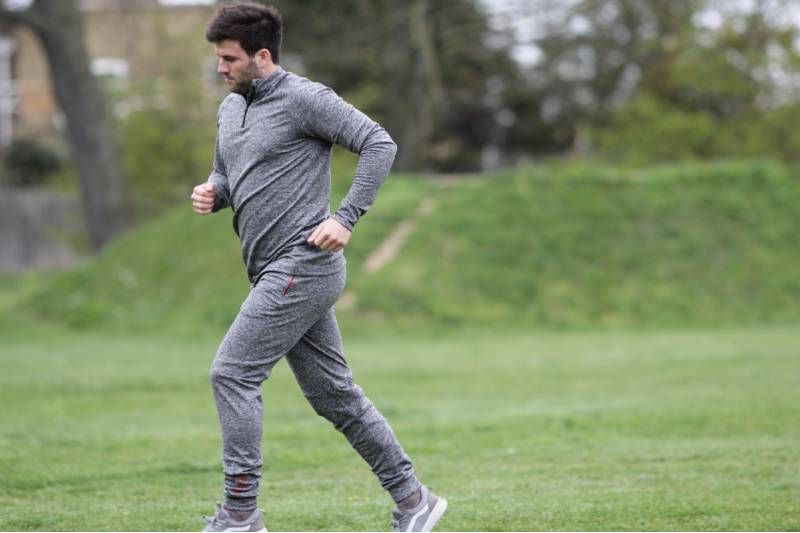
90,128
426,89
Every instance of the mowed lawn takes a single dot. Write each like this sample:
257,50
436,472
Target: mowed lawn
665,430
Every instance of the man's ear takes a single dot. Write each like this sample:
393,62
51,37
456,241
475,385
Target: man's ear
263,57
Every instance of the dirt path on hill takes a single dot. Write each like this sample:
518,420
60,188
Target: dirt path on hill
389,248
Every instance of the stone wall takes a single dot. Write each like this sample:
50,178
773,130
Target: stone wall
34,225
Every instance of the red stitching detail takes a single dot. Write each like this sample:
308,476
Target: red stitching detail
289,286
241,484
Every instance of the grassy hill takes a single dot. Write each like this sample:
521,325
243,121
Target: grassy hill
180,271
598,246
545,246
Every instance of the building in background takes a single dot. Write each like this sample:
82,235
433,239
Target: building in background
141,49
128,42
8,90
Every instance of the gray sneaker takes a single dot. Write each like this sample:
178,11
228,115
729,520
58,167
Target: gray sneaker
221,521
423,517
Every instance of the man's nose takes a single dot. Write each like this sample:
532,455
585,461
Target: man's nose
222,68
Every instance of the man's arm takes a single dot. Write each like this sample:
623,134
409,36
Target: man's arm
323,114
214,194
219,179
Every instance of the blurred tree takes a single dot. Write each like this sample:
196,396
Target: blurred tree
59,27
656,81
432,71
730,69
594,54
168,131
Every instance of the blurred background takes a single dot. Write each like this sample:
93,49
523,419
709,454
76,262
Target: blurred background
588,248
584,161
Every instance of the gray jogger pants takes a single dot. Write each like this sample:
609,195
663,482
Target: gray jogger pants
294,316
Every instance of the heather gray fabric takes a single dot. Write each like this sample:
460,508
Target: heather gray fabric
272,167
294,315
222,521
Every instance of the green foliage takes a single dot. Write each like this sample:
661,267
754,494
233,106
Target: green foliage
28,162
168,126
424,70
165,155
521,431
654,84
773,133
647,130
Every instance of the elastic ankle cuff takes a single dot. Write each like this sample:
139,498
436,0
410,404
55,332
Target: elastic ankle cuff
241,504
401,493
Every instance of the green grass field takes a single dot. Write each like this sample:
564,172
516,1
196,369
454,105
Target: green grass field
558,347
521,430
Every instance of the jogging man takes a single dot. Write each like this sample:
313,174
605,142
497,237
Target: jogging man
275,131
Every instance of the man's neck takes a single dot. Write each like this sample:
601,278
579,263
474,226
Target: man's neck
267,71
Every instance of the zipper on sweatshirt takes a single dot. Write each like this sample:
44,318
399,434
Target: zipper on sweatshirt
248,99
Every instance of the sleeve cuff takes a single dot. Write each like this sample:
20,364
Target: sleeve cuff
343,221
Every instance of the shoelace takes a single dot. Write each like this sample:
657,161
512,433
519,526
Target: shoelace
210,521
397,519
213,521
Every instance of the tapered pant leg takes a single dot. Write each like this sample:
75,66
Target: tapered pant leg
318,363
274,316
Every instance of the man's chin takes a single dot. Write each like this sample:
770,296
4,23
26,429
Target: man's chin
240,87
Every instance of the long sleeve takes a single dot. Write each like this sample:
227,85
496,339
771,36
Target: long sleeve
323,114
219,177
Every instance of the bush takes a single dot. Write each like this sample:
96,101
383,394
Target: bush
647,130
165,154
650,131
28,163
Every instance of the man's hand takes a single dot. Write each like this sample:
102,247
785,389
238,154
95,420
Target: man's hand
330,236
203,198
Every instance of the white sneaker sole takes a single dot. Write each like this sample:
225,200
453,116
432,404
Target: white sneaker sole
436,514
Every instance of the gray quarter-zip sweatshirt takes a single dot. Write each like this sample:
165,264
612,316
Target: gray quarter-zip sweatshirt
272,167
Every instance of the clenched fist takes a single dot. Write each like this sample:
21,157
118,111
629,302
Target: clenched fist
330,236
203,198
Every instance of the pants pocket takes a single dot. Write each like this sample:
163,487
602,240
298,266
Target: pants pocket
289,285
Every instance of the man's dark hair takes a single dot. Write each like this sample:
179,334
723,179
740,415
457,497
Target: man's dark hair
255,26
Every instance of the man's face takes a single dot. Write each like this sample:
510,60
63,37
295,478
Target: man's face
235,65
